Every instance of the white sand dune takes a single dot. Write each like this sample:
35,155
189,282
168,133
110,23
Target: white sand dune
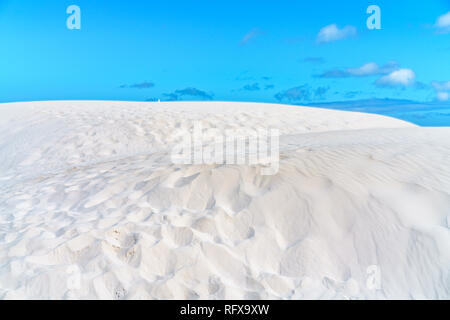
92,207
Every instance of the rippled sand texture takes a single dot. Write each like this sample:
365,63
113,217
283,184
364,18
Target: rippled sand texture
92,207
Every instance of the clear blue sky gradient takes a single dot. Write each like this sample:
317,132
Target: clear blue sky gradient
226,50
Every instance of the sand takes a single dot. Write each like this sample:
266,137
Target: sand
92,207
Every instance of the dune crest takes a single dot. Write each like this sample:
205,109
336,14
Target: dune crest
92,207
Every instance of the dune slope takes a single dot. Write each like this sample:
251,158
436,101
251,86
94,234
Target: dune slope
92,207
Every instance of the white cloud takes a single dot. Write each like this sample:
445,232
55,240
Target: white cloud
443,23
367,69
250,35
401,77
443,96
333,33
441,86
390,75
372,68
442,90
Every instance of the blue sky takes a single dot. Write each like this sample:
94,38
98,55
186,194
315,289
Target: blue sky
297,52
